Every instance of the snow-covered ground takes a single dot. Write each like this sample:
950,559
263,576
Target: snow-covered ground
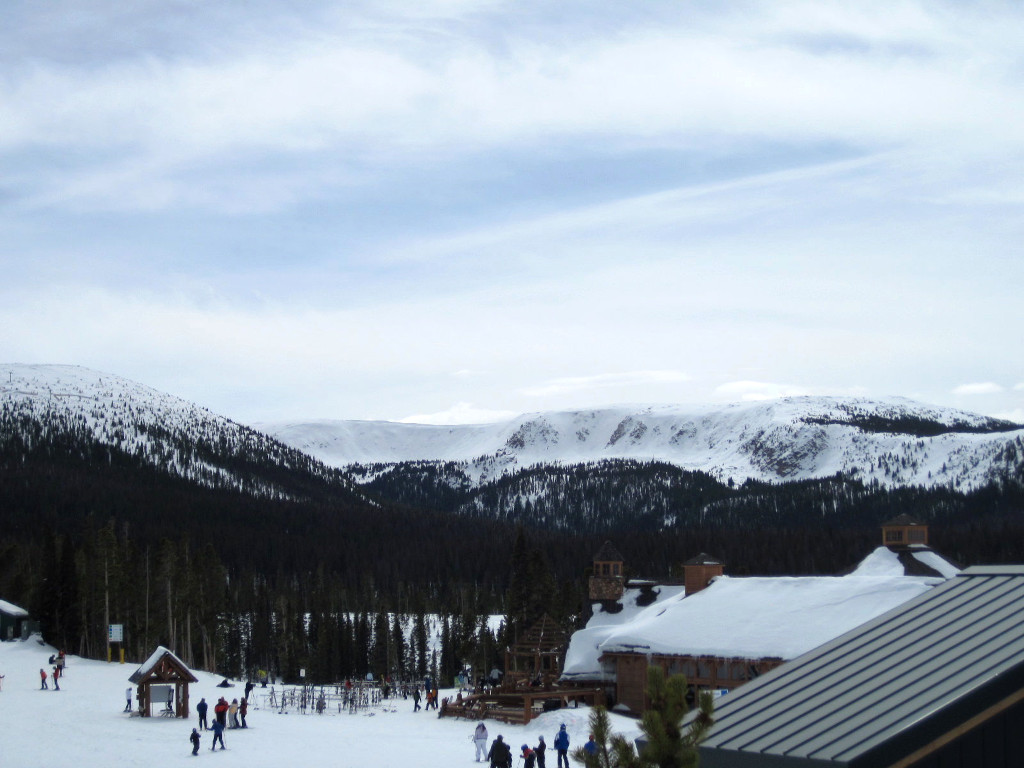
84,726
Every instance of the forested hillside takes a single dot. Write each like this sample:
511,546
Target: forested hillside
614,496
118,504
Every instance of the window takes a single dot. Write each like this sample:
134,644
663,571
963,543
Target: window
894,535
916,535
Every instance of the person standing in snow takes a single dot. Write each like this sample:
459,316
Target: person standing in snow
194,738
529,758
127,699
500,755
56,674
562,746
233,713
243,707
591,746
218,735
201,708
415,697
220,712
42,678
539,751
480,741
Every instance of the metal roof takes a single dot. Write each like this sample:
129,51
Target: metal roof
886,688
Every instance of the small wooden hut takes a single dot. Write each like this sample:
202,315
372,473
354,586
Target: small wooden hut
166,676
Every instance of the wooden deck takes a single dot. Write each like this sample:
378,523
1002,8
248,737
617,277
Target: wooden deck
517,706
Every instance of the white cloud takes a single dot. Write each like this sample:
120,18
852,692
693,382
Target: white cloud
759,390
572,384
978,388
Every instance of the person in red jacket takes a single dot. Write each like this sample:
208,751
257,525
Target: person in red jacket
243,707
42,678
221,711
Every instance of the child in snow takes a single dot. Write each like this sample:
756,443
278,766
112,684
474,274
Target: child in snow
539,751
218,735
529,758
42,678
194,738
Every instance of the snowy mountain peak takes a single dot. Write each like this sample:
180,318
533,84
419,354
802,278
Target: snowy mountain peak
894,440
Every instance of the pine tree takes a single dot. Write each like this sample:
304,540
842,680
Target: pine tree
669,744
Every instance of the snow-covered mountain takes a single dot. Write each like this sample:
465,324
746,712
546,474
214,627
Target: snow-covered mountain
894,441
40,404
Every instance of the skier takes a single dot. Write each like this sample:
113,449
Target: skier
539,751
500,755
243,707
194,738
480,741
529,758
233,713
562,746
218,735
42,678
201,708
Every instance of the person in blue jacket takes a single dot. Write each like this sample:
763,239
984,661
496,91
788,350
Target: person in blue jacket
562,746
218,735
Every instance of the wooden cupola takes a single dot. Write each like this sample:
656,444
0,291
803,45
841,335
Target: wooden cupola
904,531
700,570
607,581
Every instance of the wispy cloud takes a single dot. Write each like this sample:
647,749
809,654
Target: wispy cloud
978,388
575,384
759,390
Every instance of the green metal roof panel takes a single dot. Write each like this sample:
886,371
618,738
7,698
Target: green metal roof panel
843,700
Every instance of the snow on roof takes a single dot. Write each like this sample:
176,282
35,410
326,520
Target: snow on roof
755,617
11,609
583,652
937,562
152,661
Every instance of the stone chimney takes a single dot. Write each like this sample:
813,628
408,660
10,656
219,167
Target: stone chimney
607,581
699,571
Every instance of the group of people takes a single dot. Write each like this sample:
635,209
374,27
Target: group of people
500,754
57,660
225,716
431,694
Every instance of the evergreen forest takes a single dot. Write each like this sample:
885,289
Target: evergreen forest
341,578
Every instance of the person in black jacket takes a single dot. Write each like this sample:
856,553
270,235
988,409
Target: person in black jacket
194,738
201,708
500,755
539,751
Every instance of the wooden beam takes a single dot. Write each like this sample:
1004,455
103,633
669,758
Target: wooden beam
960,730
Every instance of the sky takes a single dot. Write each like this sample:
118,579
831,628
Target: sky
452,211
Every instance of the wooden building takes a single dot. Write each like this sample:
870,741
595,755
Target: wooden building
937,682
163,680
536,657
723,632
12,621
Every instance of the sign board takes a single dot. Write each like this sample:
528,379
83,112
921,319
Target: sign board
115,633
302,673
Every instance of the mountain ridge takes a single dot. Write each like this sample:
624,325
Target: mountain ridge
893,441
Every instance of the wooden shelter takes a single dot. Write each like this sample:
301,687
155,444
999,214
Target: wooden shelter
163,671
536,657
